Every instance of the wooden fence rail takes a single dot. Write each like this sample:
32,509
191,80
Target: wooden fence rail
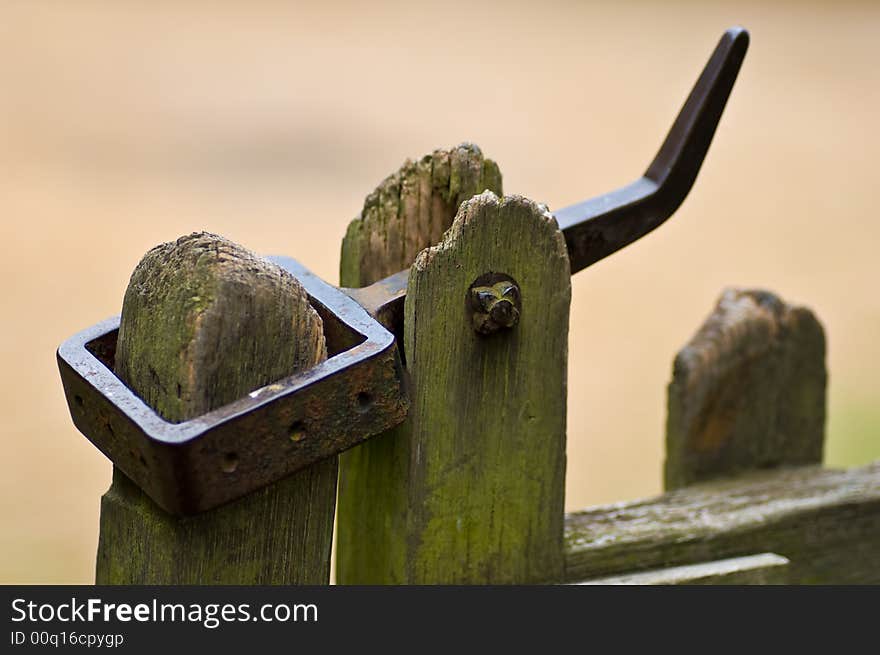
826,522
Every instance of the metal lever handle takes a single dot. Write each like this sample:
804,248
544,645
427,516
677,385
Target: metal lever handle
600,226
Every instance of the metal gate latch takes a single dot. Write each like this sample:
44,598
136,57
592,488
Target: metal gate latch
358,391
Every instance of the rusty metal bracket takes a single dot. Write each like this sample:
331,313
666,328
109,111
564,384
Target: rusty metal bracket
198,464
195,465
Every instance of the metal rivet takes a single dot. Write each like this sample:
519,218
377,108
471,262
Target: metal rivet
494,303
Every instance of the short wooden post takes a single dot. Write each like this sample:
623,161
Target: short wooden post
748,391
410,210
203,323
471,488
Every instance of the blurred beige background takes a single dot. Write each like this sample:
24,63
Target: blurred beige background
124,124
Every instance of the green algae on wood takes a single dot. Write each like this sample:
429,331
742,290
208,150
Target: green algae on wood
409,211
204,322
470,489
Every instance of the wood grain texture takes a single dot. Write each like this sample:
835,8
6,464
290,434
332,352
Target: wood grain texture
204,322
471,488
826,522
411,209
766,568
747,391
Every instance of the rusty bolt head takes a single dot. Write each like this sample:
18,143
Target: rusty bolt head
494,303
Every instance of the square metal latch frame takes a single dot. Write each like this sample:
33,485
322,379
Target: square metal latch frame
194,465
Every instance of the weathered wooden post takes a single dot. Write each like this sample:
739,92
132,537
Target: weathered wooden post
470,488
204,322
747,391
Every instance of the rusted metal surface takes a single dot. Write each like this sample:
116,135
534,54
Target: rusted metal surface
198,464
192,466
384,301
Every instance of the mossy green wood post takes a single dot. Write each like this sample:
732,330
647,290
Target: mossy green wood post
409,211
471,488
203,323
747,391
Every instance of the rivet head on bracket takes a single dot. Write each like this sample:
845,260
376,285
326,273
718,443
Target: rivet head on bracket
494,303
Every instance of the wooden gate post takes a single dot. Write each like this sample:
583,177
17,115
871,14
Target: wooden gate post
205,322
470,489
